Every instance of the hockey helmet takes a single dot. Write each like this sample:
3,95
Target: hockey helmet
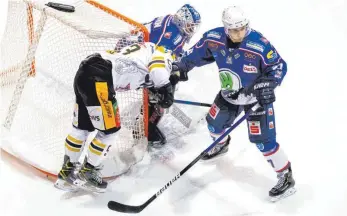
188,20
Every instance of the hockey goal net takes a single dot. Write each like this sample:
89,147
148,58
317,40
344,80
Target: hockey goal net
40,53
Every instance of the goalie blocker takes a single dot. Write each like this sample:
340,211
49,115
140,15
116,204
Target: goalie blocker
98,79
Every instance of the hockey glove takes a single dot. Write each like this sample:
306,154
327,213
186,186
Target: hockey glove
166,97
183,75
264,90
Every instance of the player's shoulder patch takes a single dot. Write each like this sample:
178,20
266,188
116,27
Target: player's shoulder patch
158,22
255,45
215,33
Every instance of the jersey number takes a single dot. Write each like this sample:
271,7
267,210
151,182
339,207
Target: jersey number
131,49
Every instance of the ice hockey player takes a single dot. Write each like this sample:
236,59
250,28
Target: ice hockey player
172,32
250,69
98,78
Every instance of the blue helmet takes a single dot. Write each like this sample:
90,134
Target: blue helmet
187,19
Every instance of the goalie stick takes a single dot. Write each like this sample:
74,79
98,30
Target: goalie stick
116,206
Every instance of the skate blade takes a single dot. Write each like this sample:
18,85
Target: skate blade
288,193
65,186
88,187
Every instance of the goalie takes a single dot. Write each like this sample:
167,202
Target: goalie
98,78
172,32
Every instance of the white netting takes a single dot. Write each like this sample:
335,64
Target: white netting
40,53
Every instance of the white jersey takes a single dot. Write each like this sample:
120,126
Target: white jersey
140,65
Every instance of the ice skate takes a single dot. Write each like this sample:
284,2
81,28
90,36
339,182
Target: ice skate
284,186
62,183
219,150
88,178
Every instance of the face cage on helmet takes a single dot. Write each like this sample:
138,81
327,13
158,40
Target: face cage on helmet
191,28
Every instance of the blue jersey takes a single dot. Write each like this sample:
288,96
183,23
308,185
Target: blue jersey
163,32
239,64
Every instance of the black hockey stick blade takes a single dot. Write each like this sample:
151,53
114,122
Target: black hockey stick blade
115,206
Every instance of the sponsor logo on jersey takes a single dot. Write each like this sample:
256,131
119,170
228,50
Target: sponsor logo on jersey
168,35
177,39
214,34
237,55
250,69
158,22
270,111
214,110
271,125
125,88
271,55
229,60
264,40
212,45
254,127
255,46
250,56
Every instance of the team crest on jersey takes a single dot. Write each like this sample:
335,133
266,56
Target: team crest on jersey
230,81
271,125
168,35
270,111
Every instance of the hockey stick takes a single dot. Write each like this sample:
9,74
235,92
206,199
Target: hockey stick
115,206
192,103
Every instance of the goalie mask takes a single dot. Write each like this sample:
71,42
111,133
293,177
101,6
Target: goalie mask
187,19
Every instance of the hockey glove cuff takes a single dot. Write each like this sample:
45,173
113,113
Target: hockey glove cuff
264,90
177,68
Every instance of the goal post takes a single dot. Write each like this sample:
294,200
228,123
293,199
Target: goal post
40,53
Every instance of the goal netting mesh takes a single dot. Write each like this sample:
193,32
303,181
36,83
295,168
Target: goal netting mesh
40,52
